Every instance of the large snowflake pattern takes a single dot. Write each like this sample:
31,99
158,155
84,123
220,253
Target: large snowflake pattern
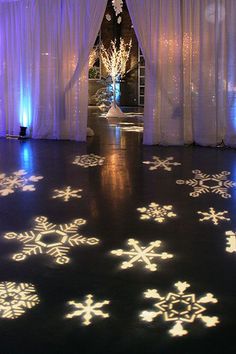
17,181
88,309
213,216
67,193
166,164
90,160
138,253
205,183
50,239
180,308
231,241
156,212
16,298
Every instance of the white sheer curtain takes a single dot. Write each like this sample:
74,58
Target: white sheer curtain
190,52
44,50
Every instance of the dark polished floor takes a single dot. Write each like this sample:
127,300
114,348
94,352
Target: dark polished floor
195,286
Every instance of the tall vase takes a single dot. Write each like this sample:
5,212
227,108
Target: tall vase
115,110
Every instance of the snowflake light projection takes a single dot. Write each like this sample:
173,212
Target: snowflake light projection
213,216
156,212
90,160
179,308
67,193
16,298
138,253
231,241
88,309
166,164
17,181
50,239
204,183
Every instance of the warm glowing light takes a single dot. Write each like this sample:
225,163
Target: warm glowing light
17,181
50,239
231,241
158,163
88,309
156,212
213,216
67,193
138,253
115,59
204,183
90,160
179,308
16,298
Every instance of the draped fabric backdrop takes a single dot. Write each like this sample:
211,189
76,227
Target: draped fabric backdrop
190,52
44,50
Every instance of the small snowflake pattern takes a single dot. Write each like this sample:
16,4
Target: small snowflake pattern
231,241
166,164
203,183
17,181
90,160
50,239
16,298
88,309
213,216
179,308
156,212
67,193
141,254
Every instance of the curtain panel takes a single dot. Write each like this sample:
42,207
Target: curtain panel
190,54
44,50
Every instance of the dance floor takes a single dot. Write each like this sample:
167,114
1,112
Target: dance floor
112,247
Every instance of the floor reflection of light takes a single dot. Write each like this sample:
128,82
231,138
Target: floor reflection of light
27,162
116,177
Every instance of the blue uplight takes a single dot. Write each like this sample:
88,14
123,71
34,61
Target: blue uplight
118,93
25,108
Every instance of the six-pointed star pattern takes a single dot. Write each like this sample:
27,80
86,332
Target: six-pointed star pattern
50,239
179,308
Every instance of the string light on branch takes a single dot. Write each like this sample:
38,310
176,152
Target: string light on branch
115,59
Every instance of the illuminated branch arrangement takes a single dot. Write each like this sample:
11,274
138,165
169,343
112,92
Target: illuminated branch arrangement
115,59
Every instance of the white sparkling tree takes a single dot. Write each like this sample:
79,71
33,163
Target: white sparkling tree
115,59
